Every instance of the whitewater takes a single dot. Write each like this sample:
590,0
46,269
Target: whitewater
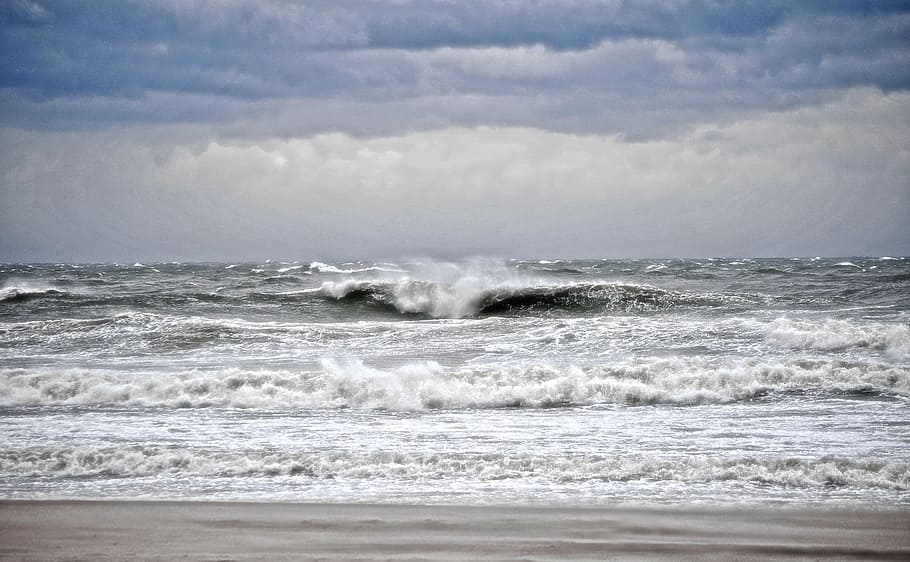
482,381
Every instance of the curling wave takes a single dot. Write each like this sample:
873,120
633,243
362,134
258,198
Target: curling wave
440,300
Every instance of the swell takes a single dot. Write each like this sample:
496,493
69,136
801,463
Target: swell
458,290
159,299
150,461
428,385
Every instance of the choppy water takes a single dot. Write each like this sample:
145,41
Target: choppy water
486,381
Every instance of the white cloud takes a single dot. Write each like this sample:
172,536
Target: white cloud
823,180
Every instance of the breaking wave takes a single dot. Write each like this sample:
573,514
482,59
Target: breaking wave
440,300
840,335
146,460
20,294
428,385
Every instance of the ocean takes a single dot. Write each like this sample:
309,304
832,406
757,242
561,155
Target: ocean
708,381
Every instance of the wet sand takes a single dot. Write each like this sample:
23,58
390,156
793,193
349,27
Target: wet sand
135,530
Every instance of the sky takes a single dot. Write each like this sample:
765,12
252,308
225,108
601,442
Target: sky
160,130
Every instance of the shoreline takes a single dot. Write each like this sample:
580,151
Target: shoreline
166,530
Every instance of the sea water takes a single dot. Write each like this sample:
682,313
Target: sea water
483,381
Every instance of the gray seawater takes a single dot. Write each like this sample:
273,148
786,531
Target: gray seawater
607,381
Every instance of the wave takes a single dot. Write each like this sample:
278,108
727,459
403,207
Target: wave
428,385
459,300
840,335
20,294
149,460
283,279
771,271
326,268
137,333
290,268
273,289
847,264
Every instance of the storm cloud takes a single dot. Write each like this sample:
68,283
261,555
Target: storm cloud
232,129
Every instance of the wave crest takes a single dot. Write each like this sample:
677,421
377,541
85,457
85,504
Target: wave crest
320,267
840,335
21,294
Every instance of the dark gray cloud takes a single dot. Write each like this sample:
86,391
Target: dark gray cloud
71,65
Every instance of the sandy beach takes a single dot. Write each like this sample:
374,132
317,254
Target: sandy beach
121,530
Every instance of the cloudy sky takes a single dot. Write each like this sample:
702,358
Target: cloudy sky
336,129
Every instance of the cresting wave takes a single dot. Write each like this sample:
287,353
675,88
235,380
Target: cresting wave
428,385
840,335
468,298
19,294
139,461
